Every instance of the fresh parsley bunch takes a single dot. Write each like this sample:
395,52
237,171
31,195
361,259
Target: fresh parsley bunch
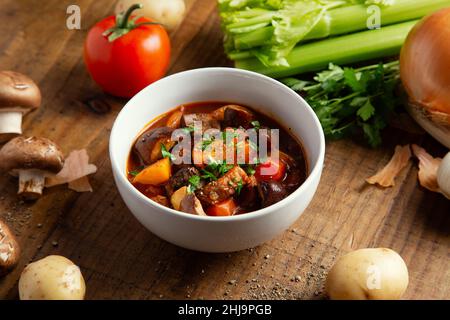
352,101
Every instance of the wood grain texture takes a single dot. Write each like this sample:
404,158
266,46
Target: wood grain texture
121,260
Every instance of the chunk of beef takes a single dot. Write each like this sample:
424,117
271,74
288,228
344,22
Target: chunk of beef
162,200
207,120
152,191
181,179
224,188
234,116
252,182
248,199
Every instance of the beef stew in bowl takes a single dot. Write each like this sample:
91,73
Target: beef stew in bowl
226,233
216,159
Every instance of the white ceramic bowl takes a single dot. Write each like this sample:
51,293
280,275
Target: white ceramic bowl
217,234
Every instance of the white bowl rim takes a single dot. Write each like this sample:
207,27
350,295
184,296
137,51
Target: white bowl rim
316,168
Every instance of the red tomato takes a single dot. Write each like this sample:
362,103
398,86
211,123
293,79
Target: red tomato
224,208
131,62
270,170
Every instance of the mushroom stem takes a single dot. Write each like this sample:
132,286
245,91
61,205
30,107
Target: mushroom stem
31,183
10,125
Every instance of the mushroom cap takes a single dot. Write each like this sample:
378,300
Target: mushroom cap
19,92
24,153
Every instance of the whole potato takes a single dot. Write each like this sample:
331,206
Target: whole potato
52,278
170,13
368,274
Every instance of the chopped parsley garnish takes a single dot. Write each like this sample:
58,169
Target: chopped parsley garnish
230,135
223,168
256,124
194,183
250,170
252,145
166,154
190,189
206,143
208,175
134,173
239,187
260,160
215,169
189,129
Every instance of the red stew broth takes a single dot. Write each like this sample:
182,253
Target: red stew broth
288,144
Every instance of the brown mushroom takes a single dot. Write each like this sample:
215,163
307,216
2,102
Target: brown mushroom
32,159
18,96
191,204
9,249
185,201
234,116
174,120
271,192
148,145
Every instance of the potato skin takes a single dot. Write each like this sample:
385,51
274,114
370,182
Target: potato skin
368,274
168,12
52,278
9,250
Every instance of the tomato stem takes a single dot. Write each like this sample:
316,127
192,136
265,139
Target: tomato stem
122,22
125,24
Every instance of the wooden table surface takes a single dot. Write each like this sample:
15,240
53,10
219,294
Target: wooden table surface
122,260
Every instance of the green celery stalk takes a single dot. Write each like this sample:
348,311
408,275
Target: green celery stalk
356,47
254,22
346,20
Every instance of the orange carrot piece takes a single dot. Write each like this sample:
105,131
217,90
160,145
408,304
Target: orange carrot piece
156,174
221,209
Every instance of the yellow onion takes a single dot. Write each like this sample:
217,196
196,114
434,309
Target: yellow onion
425,74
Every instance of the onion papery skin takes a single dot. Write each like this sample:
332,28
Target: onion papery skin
439,131
425,66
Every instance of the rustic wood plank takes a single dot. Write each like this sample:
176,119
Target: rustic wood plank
121,260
